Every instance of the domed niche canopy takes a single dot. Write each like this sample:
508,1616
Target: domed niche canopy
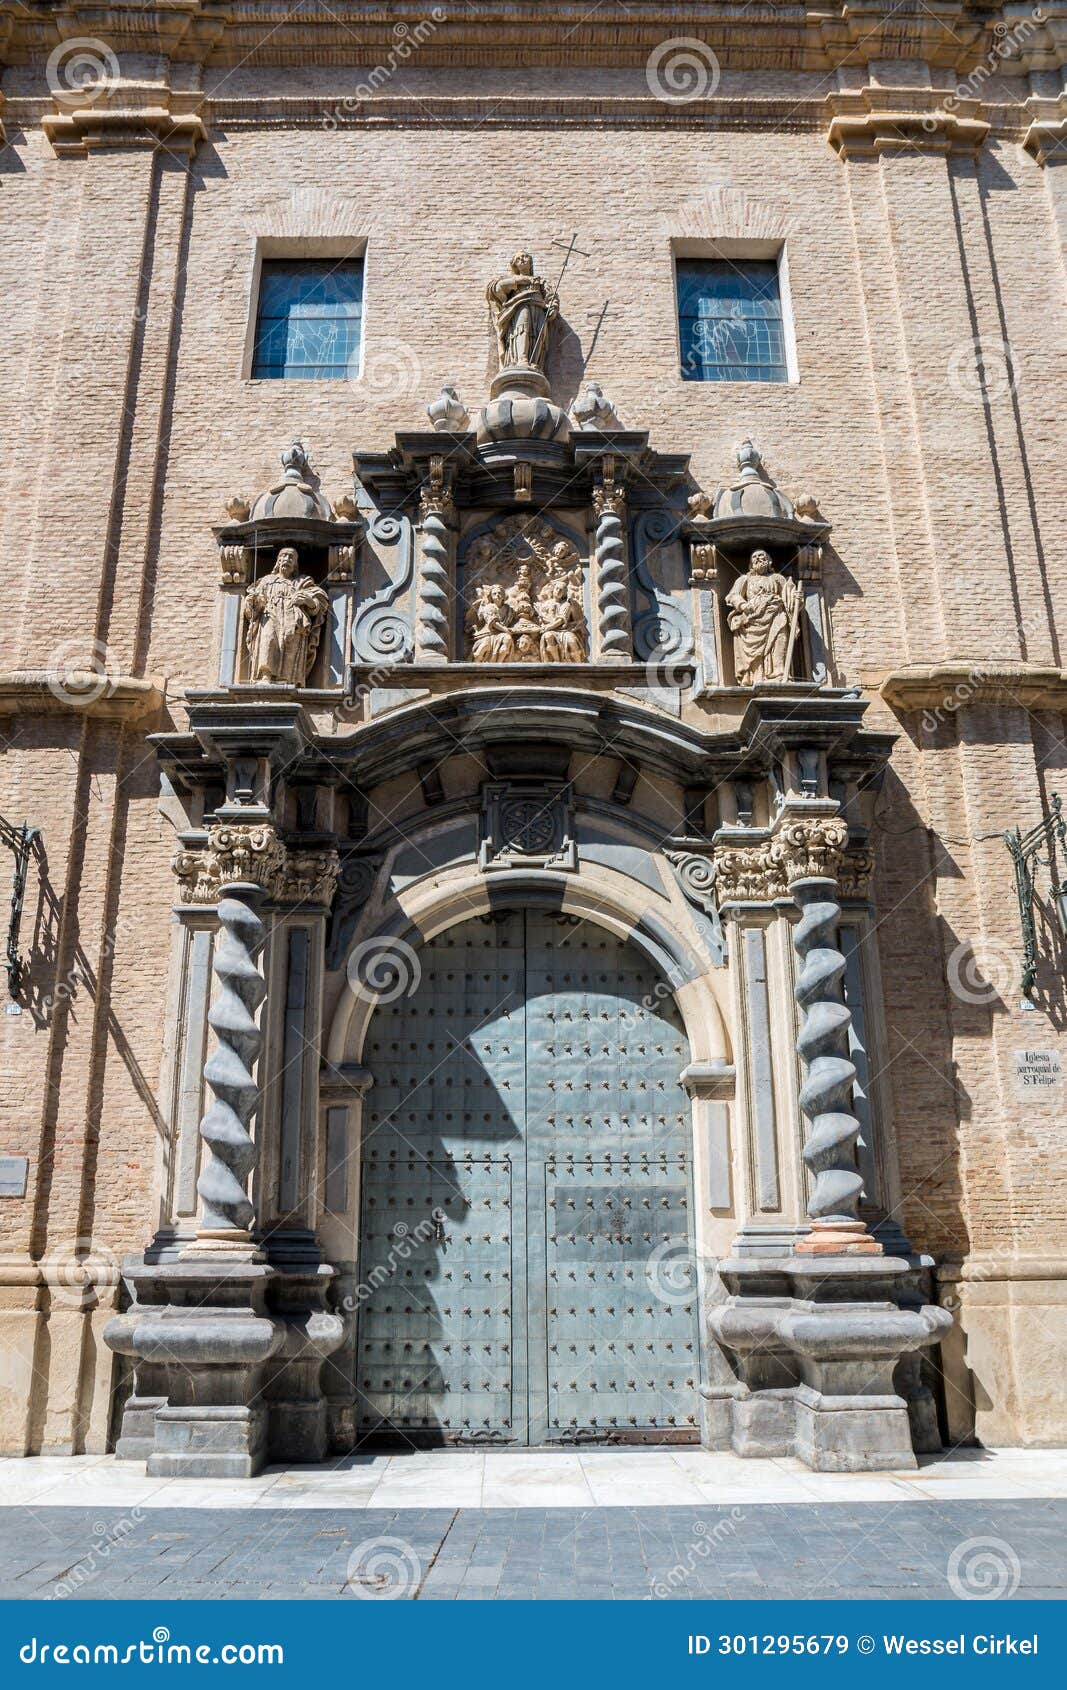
293,511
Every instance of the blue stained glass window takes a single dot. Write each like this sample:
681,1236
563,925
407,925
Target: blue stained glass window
309,320
730,318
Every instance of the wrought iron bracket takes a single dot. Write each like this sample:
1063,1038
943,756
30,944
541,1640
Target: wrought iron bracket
19,841
1026,855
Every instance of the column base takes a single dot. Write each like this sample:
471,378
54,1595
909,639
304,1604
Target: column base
852,1434
815,1343
209,1443
228,1358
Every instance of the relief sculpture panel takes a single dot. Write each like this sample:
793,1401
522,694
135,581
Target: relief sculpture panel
524,595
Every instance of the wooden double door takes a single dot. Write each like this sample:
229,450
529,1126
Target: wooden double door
525,1270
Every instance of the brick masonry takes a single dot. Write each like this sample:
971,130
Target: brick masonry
128,421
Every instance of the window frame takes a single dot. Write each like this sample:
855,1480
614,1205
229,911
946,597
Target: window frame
300,250
730,250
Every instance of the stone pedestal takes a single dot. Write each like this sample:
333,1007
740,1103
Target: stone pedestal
201,1337
816,1343
228,1360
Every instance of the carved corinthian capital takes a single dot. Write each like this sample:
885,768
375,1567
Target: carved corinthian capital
253,853
747,875
809,848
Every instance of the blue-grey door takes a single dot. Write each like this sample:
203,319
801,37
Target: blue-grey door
526,1209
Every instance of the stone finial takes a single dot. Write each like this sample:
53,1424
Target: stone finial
447,412
295,461
238,509
593,410
807,508
754,493
346,509
297,494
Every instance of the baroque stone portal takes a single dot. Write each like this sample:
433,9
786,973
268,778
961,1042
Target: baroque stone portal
763,608
284,615
525,584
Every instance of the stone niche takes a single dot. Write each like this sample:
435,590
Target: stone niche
288,562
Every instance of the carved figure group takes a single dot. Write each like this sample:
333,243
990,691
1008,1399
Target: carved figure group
284,614
762,610
521,622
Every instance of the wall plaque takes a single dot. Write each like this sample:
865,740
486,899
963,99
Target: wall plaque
1038,1073
13,1170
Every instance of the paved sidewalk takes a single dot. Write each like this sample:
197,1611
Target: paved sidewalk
536,1479
817,1551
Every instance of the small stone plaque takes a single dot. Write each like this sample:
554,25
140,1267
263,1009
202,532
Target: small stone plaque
13,1171
1038,1073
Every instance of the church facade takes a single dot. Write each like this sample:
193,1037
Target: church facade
533,719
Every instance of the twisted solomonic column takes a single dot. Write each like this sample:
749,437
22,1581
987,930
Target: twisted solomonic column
435,580
613,586
236,854
809,850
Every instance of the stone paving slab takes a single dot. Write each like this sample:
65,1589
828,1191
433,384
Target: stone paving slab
509,1479
815,1551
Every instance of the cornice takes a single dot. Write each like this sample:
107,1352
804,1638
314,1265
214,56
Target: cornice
947,688
55,692
789,35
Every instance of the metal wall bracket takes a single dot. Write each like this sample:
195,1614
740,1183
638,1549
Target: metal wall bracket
19,841
1026,849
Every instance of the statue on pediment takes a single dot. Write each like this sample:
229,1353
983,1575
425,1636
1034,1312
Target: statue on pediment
762,613
284,615
522,306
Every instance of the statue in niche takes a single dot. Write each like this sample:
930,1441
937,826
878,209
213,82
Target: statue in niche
521,307
526,586
284,614
763,610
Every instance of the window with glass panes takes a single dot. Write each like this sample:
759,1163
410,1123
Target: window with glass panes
730,318
308,324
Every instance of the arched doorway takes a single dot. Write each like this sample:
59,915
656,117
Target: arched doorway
526,1210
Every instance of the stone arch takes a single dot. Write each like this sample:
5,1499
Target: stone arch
610,902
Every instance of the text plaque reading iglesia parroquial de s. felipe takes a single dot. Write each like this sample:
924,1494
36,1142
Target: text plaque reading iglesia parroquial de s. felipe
1038,1073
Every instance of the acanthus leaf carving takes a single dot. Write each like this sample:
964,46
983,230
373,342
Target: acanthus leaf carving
809,847
253,853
